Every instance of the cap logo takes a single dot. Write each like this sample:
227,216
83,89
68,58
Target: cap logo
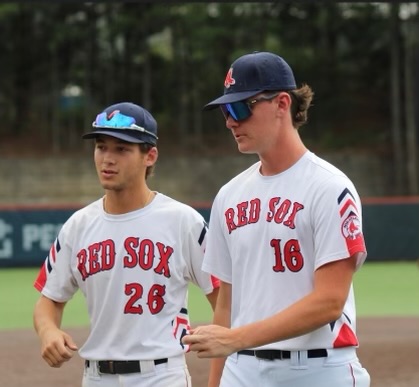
110,115
115,119
229,81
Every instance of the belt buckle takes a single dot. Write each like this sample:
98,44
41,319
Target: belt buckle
264,355
109,367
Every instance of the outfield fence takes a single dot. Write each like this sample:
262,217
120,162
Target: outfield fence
391,230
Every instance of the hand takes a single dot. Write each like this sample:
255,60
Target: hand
57,347
211,341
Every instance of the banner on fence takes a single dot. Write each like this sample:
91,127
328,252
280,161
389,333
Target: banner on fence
391,232
26,235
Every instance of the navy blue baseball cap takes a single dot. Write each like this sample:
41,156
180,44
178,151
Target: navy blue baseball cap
252,74
126,121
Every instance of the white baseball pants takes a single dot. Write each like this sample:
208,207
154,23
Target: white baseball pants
341,368
174,373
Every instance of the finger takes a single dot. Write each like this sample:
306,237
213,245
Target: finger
62,353
66,354
192,339
66,351
57,365
69,342
196,330
194,348
52,360
57,354
186,340
49,361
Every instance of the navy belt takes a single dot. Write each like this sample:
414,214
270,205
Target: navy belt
120,366
273,354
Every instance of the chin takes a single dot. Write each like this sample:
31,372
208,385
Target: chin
245,150
108,186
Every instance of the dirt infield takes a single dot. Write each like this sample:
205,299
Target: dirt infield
389,350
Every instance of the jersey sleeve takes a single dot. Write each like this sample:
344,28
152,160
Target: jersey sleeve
194,248
217,260
55,279
338,223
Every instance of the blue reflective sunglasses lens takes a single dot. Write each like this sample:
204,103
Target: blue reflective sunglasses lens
114,120
237,110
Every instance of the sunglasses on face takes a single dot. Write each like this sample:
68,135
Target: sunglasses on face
241,110
117,120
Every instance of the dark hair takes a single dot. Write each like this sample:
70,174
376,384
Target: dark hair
145,148
301,101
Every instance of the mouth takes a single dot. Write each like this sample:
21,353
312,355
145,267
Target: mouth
107,173
238,136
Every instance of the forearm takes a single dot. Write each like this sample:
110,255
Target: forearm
216,370
307,315
323,305
212,298
222,317
47,314
57,346
222,314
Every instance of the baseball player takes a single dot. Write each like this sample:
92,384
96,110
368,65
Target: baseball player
285,239
132,253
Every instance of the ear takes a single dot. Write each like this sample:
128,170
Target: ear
284,101
151,157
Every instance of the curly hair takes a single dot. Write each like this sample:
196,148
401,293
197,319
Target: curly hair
301,101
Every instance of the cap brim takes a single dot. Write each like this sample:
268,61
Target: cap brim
230,98
114,133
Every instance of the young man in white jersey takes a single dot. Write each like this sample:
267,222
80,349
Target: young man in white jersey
285,239
132,253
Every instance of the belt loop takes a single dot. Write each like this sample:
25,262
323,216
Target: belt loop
147,366
111,367
235,357
299,360
92,367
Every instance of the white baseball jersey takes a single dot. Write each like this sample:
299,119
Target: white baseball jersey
268,235
133,270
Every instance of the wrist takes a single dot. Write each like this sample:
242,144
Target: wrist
45,329
241,340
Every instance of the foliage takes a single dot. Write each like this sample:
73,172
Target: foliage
63,62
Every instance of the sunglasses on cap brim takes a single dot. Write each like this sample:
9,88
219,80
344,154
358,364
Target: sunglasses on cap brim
241,110
117,120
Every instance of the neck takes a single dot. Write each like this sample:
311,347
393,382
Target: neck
118,203
281,157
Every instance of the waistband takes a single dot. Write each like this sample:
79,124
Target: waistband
121,366
275,354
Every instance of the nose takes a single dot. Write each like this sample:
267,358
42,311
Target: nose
231,123
108,158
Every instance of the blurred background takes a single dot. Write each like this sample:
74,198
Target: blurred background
61,63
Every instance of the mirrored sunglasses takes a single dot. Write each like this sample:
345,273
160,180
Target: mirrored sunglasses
241,110
117,120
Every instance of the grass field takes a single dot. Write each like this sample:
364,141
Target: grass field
381,289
